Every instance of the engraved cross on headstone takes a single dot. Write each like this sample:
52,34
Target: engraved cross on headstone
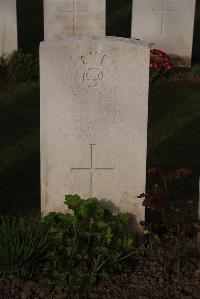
92,169
73,11
164,11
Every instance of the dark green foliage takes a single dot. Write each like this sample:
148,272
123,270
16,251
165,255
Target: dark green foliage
2,69
155,75
23,67
87,244
22,246
195,71
19,67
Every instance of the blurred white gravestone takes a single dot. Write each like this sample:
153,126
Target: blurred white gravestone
168,25
74,17
94,109
8,26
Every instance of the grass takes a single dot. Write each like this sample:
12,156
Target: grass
173,132
23,246
19,149
174,123
173,139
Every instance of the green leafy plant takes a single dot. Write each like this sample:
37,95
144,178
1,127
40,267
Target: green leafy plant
22,246
195,71
87,244
3,74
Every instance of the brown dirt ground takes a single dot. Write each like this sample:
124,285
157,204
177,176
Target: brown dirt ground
154,276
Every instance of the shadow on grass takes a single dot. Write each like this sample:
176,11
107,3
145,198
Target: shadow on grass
19,149
19,106
173,139
173,132
20,188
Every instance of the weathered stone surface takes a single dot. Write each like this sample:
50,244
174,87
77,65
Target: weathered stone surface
94,106
167,24
8,26
74,17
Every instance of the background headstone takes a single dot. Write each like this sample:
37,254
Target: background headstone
94,107
74,17
167,24
8,26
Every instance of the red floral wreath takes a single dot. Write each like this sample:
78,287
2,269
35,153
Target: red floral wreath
162,64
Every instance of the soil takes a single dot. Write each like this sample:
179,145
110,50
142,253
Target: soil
154,276
182,77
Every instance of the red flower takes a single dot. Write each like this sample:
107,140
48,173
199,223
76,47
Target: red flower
182,173
156,171
159,61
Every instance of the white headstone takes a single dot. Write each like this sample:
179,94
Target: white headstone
167,24
74,17
94,107
8,26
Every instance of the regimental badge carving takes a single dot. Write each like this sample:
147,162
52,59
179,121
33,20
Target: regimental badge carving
93,74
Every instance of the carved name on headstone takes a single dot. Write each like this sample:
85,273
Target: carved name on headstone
94,102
